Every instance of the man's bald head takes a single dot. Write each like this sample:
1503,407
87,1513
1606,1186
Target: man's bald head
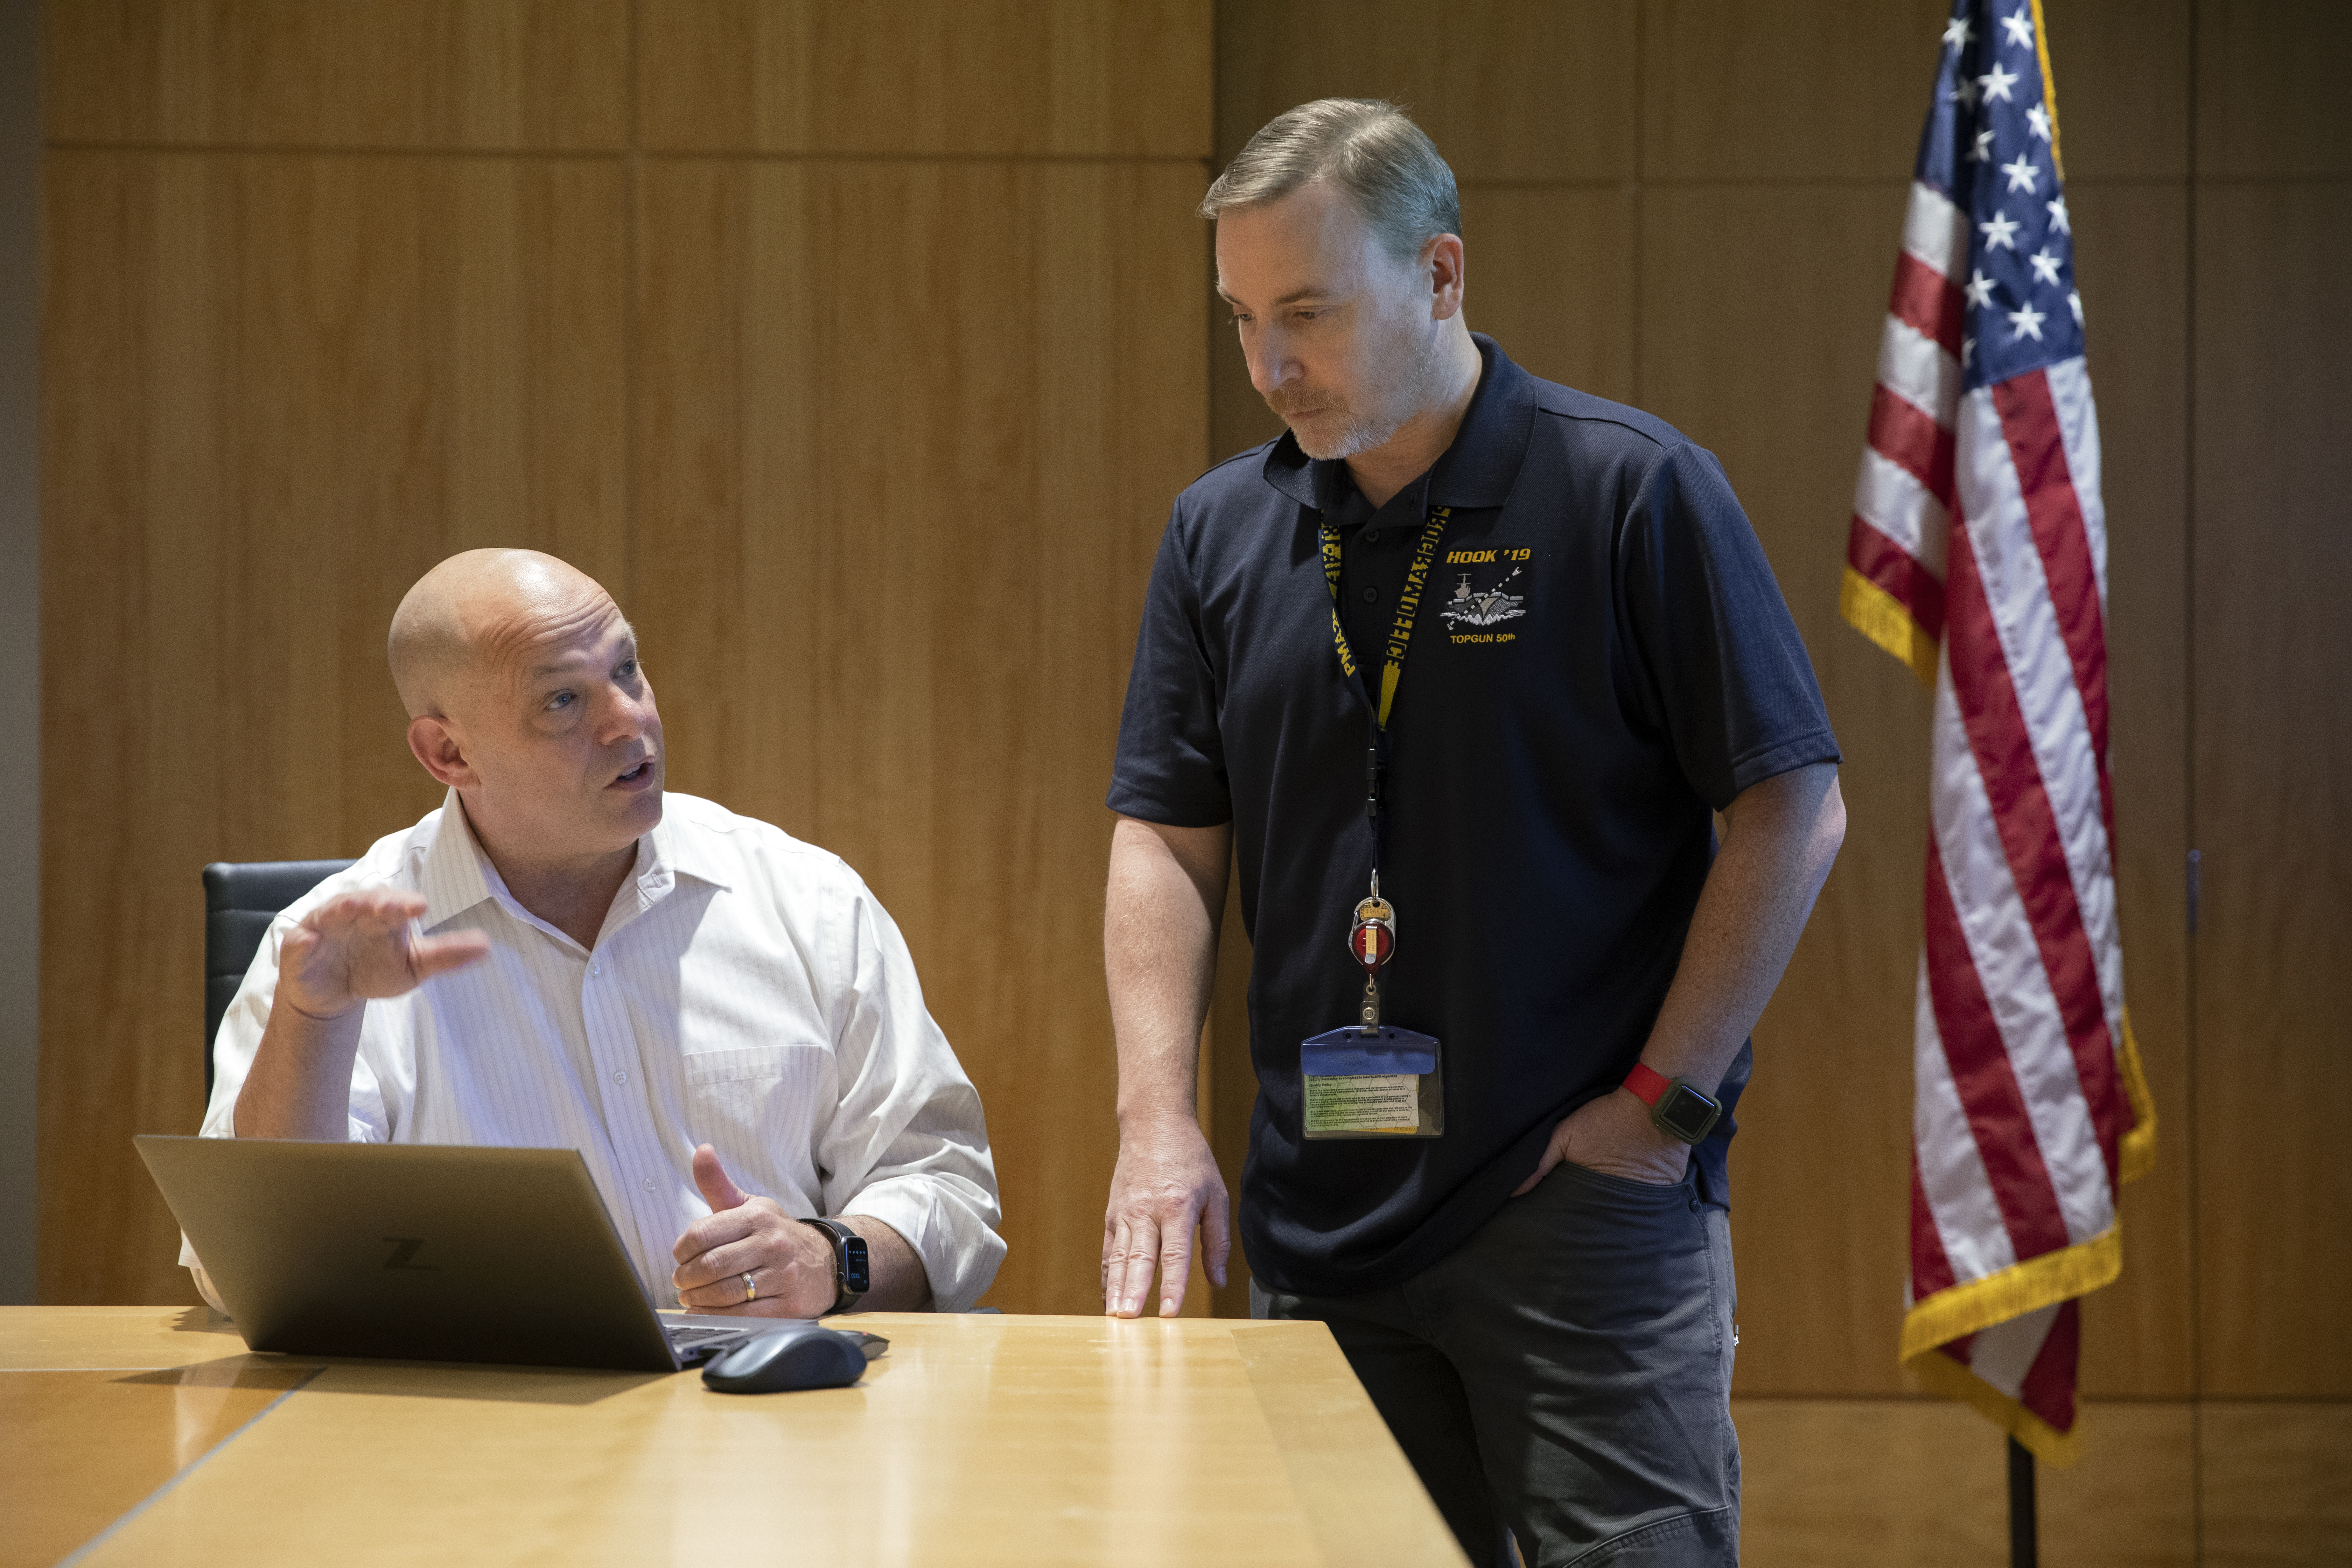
475,610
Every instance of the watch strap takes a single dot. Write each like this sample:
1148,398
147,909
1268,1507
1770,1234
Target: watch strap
1647,1084
841,1236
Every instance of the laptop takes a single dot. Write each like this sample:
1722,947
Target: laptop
424,1252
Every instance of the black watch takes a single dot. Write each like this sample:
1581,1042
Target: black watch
850,1278
1678,1108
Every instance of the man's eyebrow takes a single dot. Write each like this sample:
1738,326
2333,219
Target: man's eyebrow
565,665
1296,295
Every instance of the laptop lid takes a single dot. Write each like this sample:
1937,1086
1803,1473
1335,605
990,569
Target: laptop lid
413,1251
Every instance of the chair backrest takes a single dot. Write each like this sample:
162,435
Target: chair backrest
239,903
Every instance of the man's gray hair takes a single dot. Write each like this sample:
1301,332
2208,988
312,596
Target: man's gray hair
1370,149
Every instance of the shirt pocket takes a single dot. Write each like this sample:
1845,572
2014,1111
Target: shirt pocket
757,1101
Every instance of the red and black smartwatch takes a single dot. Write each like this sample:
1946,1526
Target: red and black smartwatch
1677,1107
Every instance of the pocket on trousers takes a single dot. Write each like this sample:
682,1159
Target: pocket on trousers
1667,1192
1612,1254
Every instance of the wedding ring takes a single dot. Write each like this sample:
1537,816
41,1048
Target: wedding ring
751,1291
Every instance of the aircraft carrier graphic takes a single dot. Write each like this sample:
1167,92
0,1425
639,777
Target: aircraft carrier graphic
1483,606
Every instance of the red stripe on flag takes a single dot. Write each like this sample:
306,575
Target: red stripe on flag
1985,1081
1901,433
1927,301
2029,423
1931,1266
1900,573
2029,835
2048,1388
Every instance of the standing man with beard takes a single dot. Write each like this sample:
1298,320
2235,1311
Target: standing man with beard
1460,667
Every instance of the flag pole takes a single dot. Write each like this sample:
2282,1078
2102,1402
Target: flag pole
2024,1552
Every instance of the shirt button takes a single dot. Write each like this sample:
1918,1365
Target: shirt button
1371,536
1372,595
620,1078
596,969
650,1183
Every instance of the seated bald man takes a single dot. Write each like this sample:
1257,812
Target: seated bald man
562,957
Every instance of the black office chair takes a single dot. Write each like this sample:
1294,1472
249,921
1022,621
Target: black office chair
239,903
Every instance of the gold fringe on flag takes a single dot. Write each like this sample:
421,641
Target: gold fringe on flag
1980,1304
1879,616
1939,1373
2012,1292
2138,1154
2048,87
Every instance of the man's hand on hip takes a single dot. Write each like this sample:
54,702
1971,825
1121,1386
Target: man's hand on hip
1165,1184
1613,1134
363,945
790,1263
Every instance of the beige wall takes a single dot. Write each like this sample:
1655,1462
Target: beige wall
859,350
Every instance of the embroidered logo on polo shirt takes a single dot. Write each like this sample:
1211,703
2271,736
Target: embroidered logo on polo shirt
1480,599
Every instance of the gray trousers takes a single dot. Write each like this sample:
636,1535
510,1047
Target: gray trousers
1564,1374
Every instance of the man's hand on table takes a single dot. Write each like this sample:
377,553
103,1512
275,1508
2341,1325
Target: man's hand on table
1165,1184
791,1263
359,947
1613,1134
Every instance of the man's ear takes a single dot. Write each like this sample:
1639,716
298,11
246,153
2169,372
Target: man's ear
1441,260
436,747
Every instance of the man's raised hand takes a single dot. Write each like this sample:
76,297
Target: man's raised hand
365,945
1165,1184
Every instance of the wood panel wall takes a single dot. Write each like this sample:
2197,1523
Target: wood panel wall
1692,204
857,350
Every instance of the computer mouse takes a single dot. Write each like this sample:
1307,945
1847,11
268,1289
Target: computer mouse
802,1356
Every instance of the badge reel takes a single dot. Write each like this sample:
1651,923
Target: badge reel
1369,1079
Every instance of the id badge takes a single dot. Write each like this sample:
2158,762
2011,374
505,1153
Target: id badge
1379,1084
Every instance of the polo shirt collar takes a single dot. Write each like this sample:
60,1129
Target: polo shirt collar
1477,470
456,875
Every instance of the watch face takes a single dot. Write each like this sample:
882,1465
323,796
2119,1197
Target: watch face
1686,1113
853,1264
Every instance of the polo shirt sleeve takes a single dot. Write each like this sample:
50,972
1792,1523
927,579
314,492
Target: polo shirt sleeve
1717,662
1171,767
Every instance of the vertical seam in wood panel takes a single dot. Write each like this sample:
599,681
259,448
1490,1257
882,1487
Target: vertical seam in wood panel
2189,811
1634,191
632,198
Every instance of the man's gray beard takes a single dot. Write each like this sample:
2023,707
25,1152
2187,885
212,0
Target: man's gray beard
1414,396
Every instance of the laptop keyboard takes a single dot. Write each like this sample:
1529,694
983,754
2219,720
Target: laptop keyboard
681,1338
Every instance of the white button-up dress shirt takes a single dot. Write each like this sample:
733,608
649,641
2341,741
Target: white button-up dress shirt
747,990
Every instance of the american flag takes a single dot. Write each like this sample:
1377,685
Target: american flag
2028,1107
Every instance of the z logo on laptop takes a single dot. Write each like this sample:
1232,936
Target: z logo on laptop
405,1248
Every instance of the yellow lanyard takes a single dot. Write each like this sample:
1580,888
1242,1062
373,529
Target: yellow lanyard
1408,603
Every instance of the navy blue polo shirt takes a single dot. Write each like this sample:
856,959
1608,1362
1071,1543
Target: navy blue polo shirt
1601,657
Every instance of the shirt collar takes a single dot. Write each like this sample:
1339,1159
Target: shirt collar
456,875
1477,470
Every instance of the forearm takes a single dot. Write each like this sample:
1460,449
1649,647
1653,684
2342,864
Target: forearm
1165,896
301,1083
1781,838
898,1282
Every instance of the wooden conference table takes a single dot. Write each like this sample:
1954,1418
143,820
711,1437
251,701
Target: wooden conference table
148,1435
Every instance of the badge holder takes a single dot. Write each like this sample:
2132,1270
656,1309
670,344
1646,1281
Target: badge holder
1369,1079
